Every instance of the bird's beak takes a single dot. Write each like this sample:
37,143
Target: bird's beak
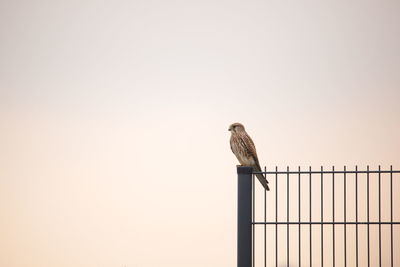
229,129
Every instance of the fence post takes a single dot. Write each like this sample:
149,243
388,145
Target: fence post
244,241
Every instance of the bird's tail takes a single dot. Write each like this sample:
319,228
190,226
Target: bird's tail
263,181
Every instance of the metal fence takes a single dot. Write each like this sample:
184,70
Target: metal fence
307,188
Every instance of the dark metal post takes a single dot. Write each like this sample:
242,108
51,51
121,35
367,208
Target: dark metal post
244,217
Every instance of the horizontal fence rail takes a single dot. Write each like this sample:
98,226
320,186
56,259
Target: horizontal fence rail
318,183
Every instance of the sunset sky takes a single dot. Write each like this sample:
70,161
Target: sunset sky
114,116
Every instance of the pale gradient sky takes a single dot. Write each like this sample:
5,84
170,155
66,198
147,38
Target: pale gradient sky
114,149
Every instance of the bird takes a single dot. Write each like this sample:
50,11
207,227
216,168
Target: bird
245,151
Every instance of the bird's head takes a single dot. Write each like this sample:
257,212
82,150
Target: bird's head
236,127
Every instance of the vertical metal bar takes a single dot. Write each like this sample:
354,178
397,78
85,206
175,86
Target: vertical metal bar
322,216
310,218
380,232
244,219
299,221
333,215
345,217
368,215
356,216
253,219
265,225
287,218
276,216
391,216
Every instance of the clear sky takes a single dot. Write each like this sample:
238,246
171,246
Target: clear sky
114,115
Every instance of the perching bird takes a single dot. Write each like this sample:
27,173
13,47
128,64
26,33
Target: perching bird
245,151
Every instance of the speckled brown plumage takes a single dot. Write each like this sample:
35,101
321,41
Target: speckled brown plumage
245,151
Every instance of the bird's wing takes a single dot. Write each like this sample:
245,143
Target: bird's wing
249,146
257,167
251,152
